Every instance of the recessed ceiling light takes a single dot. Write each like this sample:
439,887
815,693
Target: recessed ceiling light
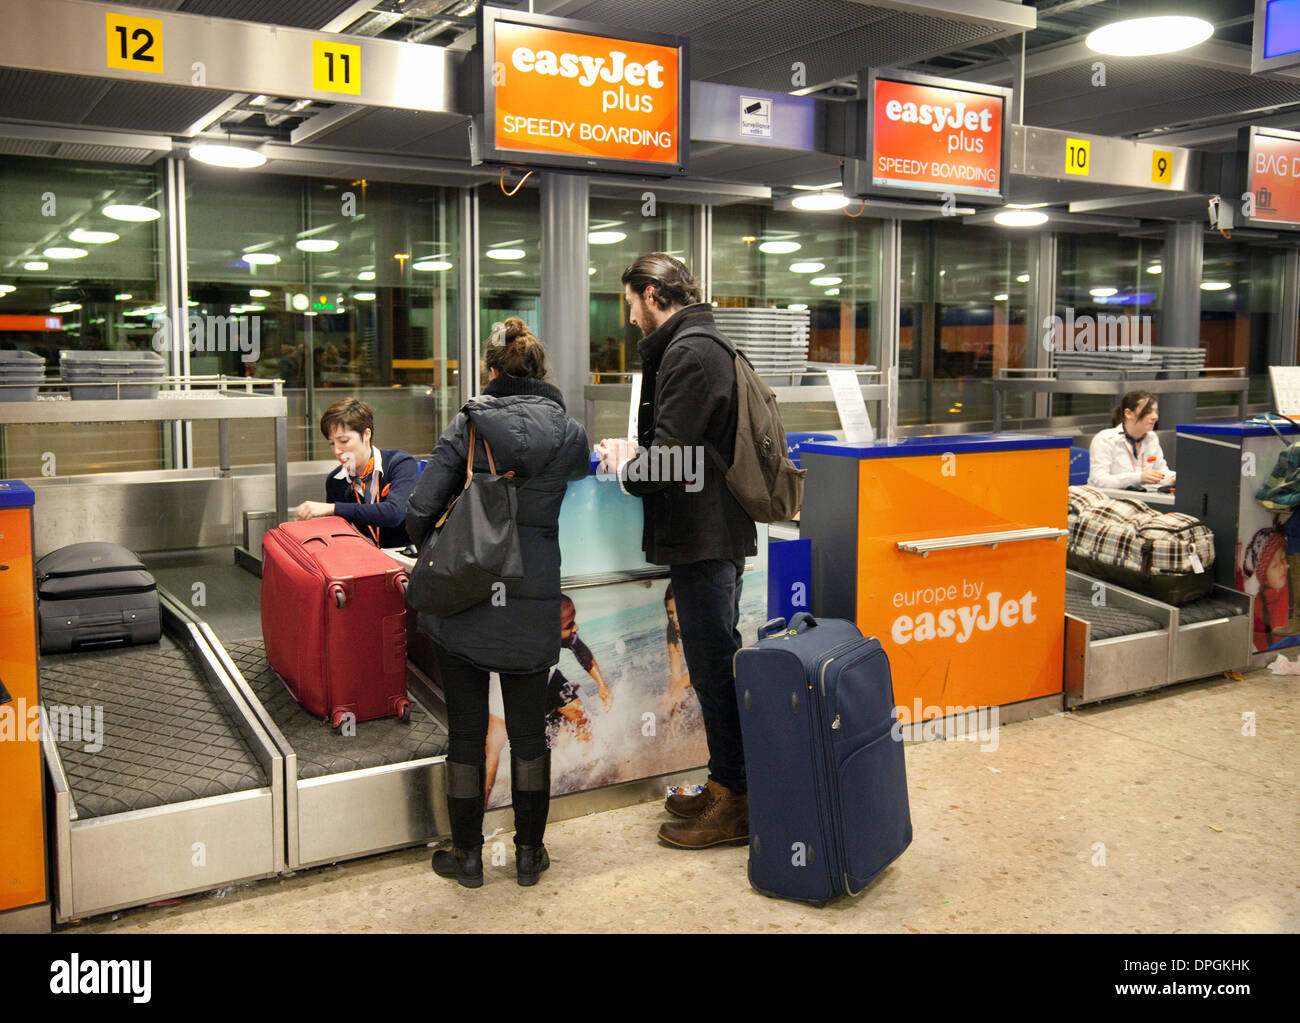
1155,268
1215,285
66,307
1022,278
797,306
364,296
832,291
131,214
36,265
261,258
1103,292
92,237
505,253
1143,37
300,301
222,155
591,271
431,265
7,289
806,268
1000,298
819,201
311,312
778,248
258,293
316,244
63,252
366,275
1020,218
605,237
826,282
125,296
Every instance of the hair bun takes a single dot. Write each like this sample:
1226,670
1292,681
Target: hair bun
515,327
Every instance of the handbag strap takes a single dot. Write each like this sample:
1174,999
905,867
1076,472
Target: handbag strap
469,470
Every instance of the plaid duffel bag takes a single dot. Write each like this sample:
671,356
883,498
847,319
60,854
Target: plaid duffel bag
1167,555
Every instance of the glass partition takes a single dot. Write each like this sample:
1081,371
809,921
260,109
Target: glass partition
80,248
341,288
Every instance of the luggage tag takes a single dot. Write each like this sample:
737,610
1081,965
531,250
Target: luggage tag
1197,567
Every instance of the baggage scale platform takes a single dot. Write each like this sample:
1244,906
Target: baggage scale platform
162,782
1133,643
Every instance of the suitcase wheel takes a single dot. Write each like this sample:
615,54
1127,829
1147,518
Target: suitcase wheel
340,599
336,720
404,712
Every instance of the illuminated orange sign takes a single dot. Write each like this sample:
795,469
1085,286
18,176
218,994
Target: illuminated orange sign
936,139
1275,178
591,99
8,322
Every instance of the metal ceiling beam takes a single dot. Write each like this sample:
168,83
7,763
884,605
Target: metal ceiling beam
1012,17
86,136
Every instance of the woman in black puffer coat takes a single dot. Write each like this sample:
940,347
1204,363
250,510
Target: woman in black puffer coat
523,418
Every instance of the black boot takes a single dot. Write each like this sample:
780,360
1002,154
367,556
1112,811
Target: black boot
530,790
464,861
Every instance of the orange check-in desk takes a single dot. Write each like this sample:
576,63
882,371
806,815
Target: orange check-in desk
24,902
950,550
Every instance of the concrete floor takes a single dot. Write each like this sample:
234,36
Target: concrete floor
1149,814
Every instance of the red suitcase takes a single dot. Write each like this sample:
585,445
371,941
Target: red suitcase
334,620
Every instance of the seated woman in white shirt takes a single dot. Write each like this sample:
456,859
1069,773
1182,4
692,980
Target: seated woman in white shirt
1128,454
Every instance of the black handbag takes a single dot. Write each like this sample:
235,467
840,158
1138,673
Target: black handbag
474,546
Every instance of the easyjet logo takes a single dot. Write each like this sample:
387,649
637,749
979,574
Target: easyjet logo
589,70
939,117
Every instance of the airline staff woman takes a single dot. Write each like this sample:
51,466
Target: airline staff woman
1128,454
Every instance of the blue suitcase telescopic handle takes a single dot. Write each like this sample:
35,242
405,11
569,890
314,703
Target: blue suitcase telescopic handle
799,623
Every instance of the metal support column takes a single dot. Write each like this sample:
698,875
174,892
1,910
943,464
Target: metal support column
471,336
176,300
702,250
1180,307
889,276
1286,317
566,318
1042,307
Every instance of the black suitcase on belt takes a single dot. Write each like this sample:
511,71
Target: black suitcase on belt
828,806
95,594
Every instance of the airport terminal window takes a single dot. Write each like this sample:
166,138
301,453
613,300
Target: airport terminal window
340,288
963,301
80,264
1104,275
619,231
510,259
1240,287
825,263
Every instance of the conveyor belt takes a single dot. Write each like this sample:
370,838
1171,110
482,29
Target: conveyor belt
166,736
1207,609
1108,622
320,750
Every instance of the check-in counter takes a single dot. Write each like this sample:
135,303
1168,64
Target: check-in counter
24,901
951,550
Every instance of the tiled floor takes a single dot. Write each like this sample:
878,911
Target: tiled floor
1153,813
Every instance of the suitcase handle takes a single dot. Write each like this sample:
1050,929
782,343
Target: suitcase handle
773,626
802,621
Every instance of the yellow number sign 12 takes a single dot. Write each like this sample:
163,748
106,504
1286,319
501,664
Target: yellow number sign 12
134,44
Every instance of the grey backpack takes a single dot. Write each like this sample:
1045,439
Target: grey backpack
761,476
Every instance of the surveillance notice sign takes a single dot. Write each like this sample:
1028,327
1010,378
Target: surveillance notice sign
935,139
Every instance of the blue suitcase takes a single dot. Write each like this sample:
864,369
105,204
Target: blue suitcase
827,788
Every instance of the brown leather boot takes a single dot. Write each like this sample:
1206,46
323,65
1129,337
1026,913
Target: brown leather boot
686,807
724,820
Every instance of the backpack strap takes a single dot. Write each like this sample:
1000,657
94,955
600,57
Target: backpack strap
735,353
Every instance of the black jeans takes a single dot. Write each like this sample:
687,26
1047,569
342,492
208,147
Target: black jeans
708,609
466,690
